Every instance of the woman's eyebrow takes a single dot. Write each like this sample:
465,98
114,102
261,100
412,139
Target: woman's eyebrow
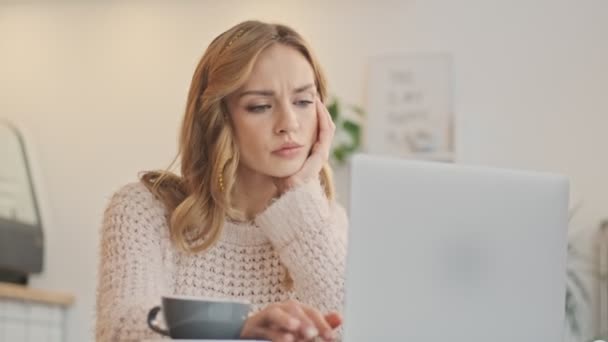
271,93
303,88
257,92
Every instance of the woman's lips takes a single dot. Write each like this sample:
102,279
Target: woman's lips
288,151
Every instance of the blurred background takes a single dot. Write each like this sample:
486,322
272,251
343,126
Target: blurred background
99,89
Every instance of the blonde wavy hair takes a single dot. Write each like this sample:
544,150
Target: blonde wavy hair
196,201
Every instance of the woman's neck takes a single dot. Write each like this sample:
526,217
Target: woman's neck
252,192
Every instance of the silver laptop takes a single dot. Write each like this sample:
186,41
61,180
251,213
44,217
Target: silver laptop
452,253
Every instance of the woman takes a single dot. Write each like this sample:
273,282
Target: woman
252,215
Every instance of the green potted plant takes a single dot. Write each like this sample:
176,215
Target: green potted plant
348,134
577,295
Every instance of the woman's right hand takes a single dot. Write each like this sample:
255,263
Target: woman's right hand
291,321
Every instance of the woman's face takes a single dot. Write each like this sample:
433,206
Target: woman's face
274,113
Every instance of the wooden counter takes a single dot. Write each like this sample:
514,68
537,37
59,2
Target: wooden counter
12,291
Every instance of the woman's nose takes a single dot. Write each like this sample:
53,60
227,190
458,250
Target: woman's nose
287,120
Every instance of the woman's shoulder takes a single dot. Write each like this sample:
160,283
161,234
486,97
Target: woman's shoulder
135,199
133,220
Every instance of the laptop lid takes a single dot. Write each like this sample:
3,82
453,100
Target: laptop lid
448,252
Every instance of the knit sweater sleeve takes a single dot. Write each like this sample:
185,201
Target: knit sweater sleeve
310,234
130,276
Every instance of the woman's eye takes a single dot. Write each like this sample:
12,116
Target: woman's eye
303,103
258,109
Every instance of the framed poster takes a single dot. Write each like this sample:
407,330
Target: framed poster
409,107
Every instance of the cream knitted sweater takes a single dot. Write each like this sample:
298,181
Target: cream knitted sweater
301,231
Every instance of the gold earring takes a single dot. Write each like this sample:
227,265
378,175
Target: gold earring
221,181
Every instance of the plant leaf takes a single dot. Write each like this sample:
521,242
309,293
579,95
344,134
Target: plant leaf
354,130
571,313
339,154
334,110
578,283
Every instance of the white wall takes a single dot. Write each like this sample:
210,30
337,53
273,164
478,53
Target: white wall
101,86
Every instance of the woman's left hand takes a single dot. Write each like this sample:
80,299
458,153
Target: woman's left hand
319,154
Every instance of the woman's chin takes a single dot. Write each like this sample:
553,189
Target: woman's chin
286,169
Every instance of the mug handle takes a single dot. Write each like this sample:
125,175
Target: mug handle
152,321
